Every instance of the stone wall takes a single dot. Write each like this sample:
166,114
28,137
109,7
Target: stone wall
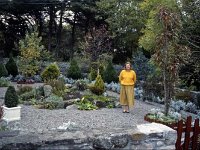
146,136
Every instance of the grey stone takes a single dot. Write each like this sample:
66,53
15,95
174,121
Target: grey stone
168,147
102,142
119,141
47,90
160,143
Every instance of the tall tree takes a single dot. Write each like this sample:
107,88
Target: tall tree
161,35
190,73
125,22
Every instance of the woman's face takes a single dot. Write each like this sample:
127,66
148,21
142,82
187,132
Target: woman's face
128,66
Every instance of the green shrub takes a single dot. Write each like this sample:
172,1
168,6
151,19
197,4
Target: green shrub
11,97
58,87
51,72
39,92
183,95
28,95
110,73
74,71
24,89
3,71
11,66
81,85
4,82
98,87
85,105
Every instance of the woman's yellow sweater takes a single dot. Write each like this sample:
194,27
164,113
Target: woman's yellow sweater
127,77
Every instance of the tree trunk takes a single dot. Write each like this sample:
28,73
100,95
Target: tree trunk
166,78
73,36
59,31
50,26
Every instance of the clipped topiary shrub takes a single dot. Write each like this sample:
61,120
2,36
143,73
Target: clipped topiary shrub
3,71
11,97
110,73
12,68
74,71
98,87
51,72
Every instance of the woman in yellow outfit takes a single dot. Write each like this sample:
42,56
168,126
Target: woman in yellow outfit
127,79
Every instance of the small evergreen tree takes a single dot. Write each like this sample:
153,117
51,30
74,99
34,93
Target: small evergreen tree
11,66
11,97
3,71
98,87
30,49
74,71
110,73
51,72
95,66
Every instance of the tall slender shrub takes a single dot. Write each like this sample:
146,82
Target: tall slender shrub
74,71
12,67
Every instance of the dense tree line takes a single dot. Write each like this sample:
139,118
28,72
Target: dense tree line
60,23
98,26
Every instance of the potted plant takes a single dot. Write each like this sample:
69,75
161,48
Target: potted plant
11,108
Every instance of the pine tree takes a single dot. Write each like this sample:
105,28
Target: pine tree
110,73
74,71
98,87
11,66
30,49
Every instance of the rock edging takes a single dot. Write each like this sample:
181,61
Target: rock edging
145,136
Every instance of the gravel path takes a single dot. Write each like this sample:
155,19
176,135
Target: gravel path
41,120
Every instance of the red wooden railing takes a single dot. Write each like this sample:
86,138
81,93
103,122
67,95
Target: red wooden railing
191,135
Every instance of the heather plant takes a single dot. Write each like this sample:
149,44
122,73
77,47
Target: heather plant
11,97
51,72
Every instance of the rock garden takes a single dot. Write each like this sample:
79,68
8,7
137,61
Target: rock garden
59,73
